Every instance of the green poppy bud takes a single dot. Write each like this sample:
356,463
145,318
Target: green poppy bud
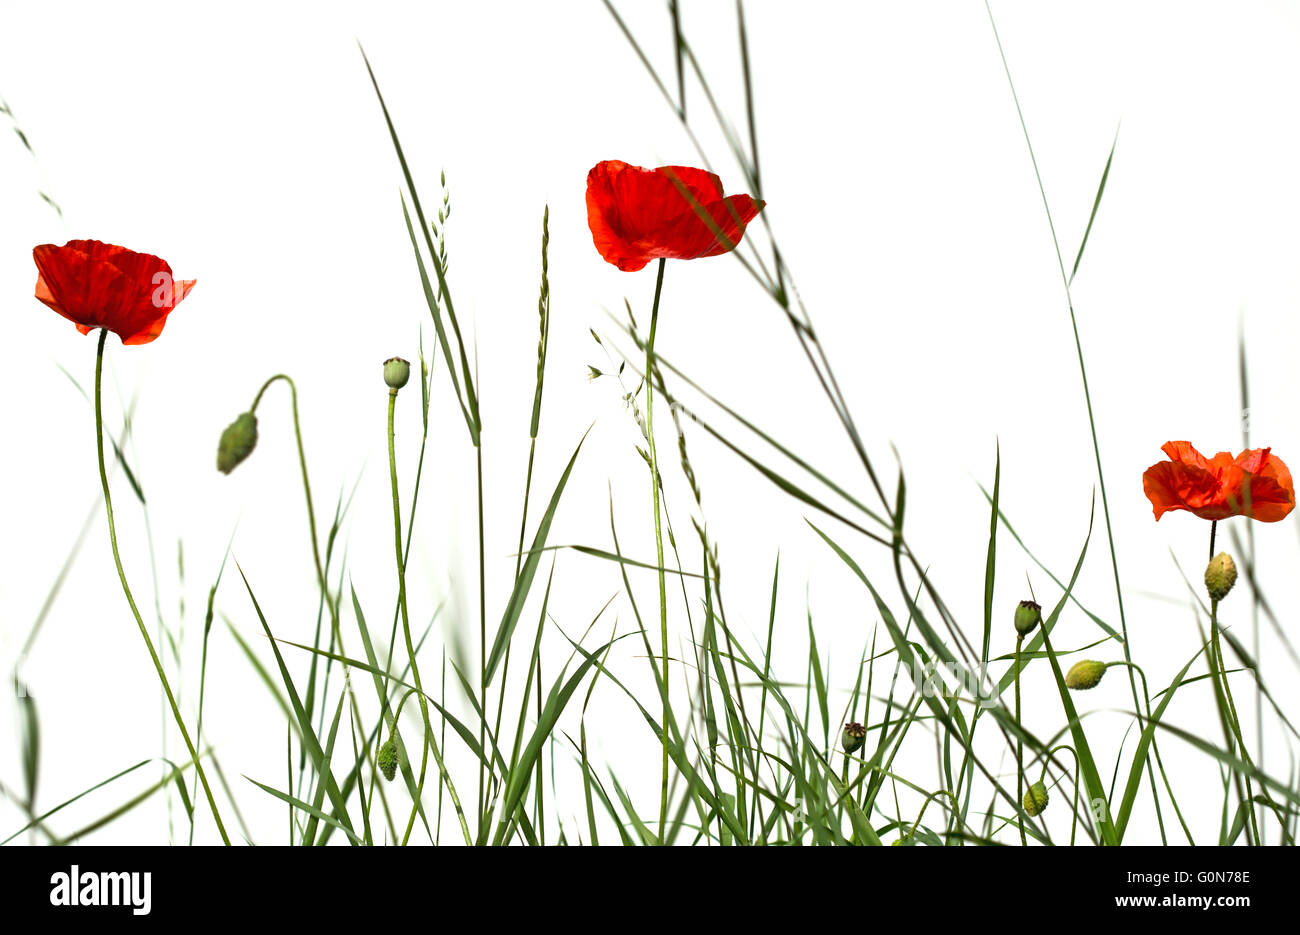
1085,674
1036,799
237,442
1028,616
1220,576
396,372
387,759
851,739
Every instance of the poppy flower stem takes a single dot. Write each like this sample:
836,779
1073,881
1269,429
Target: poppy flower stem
410,646
1020,752
1219,668
126,588
330,604
659,539
306,486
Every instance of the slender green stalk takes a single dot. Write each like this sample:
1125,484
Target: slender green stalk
406,619
198,724
321,581
1087,398
306,487
126,588
1242,372
482,635
1020,751
659,538
1219,667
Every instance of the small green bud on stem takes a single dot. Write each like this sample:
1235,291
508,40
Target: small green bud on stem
396,372
1220,576
1028,616
1036,799
1085,674
237,442
853,736
387,759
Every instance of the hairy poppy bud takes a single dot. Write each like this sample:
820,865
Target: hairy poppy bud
1036,799
1028,616
387,759
396,372
237,442
1085,674
851,739
1220,576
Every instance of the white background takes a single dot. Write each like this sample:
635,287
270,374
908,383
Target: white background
244,144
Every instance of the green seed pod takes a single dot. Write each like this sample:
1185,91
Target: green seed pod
1028,616
387,759
1036,799
396,372
1085,674
237,442
851,739
1220,576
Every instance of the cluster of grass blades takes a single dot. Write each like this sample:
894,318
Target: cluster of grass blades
755,747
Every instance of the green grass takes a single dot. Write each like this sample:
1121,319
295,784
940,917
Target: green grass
746,742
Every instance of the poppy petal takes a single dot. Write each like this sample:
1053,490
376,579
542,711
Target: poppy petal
100,285
44,294
1184,452
1171,485
673,212
1256,483
152,329
1270,494
605,219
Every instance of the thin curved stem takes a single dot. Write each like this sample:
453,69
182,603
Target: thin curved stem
1074,821
126,588
330,604
306,486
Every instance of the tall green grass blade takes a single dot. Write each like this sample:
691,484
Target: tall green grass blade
1101,190
470,403
307,734
518,780
49,813
524,581
315,813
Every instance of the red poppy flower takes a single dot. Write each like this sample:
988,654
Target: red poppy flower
637,215
98,285
1223,486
